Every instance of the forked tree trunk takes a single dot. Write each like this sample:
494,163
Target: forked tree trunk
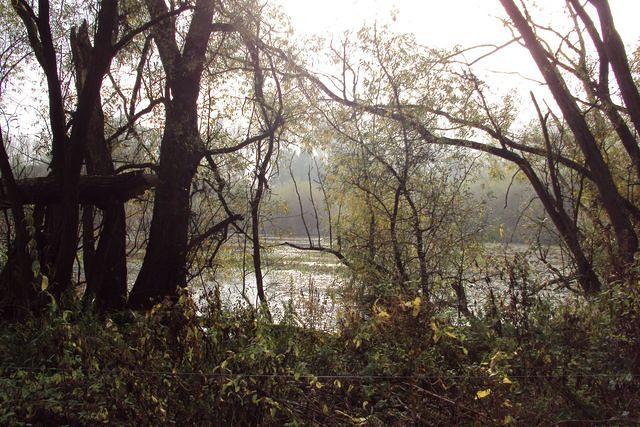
106,275
164,266
61,226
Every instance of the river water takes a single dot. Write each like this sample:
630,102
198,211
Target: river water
310,283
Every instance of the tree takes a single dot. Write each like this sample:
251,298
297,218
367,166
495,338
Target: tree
439,93
68,146
610,198
182,147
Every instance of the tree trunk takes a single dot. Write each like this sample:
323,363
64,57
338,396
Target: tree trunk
422,256
611,199
16,279
97,190
403,277
163,269
617,56
164,266
107,279
586,277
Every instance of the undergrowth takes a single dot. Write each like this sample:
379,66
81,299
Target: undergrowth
396,363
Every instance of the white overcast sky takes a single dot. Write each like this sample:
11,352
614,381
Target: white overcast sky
440,23
446,23
443,23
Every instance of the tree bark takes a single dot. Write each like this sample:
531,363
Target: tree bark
402,275
107,278
88,99
617,56
16,279
163,268
94,190
164,265
611,199
586,276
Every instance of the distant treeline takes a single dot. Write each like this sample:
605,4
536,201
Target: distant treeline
510,210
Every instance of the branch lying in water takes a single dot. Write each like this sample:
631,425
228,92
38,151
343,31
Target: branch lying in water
331,251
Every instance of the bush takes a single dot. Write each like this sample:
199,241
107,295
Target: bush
396,363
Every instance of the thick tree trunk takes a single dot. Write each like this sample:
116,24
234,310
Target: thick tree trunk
88,253
88,101
164,266
96,190
107,279
163,269
110,284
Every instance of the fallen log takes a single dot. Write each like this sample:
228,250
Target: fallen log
97,190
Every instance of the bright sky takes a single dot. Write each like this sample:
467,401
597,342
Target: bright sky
440,23
445,23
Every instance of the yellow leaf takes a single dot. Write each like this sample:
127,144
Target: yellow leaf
337,383
434,327
383,315
508,419
45,283
416,306
506,380
495,359
481,394
450,334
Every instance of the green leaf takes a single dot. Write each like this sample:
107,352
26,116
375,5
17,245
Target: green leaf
35,267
